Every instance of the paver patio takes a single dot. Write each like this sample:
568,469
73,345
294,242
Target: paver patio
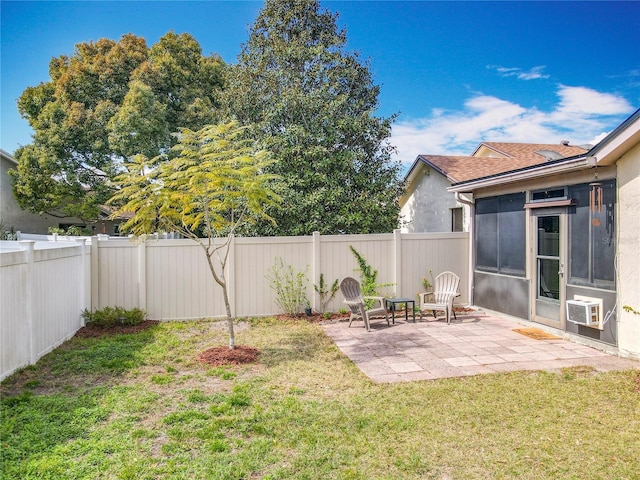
474,344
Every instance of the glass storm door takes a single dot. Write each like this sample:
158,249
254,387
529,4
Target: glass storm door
548,273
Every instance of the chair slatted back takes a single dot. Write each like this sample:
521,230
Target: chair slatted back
444,286
350,289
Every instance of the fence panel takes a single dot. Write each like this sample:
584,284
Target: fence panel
179,282
337,261
434,252
43,292
254,258
14,327
115,269
58,303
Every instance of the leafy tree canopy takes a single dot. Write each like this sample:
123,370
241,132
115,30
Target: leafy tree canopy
215,183
313,105
104,104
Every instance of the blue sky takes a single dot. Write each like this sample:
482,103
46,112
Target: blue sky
457,73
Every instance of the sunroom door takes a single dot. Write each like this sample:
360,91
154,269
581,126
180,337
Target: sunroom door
548,285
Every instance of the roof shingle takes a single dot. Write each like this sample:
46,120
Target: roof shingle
505,158
528,150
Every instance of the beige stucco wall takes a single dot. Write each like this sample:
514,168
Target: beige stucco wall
629,251
428,205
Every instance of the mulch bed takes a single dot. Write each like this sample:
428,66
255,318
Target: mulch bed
223,355
94,332
315,317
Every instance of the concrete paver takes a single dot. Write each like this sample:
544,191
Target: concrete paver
475,344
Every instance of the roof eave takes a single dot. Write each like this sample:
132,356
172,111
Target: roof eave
528,173
8,156
618,142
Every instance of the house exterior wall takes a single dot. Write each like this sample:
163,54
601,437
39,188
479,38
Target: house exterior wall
428,205
629,251
502,293
507,294
11,215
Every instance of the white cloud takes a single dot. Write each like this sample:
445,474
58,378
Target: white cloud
586,101
581,115
534,73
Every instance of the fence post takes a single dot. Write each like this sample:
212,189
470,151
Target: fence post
316,269
29,295
142,275
95,274
84,289
397,260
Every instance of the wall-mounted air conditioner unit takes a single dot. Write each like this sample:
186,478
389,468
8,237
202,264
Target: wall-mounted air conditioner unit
585,311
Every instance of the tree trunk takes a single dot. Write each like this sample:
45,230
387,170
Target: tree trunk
232,338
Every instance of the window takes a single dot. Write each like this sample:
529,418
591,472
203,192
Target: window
548,195
456,220
592,247
500,234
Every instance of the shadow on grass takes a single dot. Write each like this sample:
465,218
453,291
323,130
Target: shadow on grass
49,406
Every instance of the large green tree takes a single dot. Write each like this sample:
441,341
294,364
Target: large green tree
102,105
211,188
312,103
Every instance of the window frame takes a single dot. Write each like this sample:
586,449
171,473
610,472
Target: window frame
503,240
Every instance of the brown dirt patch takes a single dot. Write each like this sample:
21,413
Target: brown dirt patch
94,332
223,355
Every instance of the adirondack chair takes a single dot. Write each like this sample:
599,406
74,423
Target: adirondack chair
445,289
350,289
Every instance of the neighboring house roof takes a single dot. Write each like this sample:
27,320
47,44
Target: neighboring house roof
492,158
8,156
606,152
552,151
460,169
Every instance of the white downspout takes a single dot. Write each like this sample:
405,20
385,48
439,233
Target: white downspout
471,204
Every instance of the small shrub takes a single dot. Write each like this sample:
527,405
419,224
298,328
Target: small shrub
10,234
426,283
72,230
326,294
113,316
290,287
368,278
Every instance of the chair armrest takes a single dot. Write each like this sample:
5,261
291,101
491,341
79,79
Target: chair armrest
423,295
377,299
352,302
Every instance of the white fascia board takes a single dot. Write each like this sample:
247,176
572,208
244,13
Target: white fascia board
610,152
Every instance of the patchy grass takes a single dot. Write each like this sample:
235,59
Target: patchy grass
142,407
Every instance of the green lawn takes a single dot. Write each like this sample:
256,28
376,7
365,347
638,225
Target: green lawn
141,407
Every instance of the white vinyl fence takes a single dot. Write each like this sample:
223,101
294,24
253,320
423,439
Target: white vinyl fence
170,279
44,289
